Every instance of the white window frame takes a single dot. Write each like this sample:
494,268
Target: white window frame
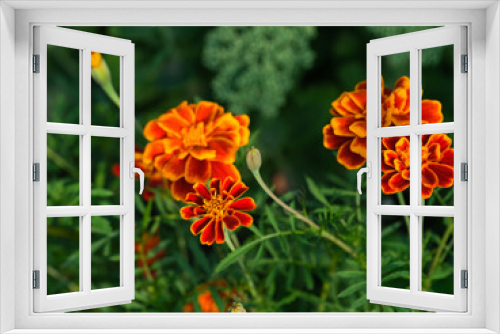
86,297
483,20
413,43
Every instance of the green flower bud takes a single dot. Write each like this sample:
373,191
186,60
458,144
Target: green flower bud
254,160
236,307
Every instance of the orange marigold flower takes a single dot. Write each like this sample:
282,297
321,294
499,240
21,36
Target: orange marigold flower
218,206
397,105
437,164
148,243
193,143
206,300
347,129
153,177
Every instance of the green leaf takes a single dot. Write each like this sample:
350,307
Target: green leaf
234,256
313,188
352,289
351,274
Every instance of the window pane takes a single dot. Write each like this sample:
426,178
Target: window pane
63,255
105,108
63,85
105,171
437,254
395,182
63,170
396,89
437,84
105,238
437,169
395,252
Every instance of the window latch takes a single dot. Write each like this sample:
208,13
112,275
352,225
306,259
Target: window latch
36,279
368,171
139,171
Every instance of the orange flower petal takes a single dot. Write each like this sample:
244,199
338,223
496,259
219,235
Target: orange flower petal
349,159
227,184
448,157
398,183
171,145
226,122
193,198
429,178
406,174
173,123
197,170
244,136
225,150
434,153
201,153
402,145
180,189
386,188
185,111
426,192
207,111
358,145
443,140
208,234
431,112
219,231
152,131
389,143
188,212
152,150
359,128
200,224
238,189
245,204
330,140
244,218
161,160
341,126
214,185
444,173
231,222
244,120
401,120
174,169
221,171
202,190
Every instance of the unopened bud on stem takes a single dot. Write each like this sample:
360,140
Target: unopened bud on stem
254,160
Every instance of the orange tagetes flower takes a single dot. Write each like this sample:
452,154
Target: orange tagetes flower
95,59
437,164
347,129
205,299
148,243
397,105
218,206
193,143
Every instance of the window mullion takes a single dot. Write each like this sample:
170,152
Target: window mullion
414,171
85,161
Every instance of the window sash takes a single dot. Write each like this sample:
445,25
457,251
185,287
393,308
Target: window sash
413,43
85,298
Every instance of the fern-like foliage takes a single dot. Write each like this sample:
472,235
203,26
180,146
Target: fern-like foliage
255,67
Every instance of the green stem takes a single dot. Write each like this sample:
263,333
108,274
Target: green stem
436,261
306,220
111,92
61,162
249,279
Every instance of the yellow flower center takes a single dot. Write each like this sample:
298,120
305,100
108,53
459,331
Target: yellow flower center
194,136
216,206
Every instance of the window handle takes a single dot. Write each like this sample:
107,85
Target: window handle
139,171
368,171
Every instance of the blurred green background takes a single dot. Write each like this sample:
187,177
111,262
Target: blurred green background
285,79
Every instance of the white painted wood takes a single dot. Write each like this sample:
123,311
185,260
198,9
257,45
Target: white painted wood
413,43
86,298
471,322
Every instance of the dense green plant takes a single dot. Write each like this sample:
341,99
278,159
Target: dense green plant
256,67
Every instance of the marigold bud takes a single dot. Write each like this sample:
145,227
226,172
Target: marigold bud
236,307
254,160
